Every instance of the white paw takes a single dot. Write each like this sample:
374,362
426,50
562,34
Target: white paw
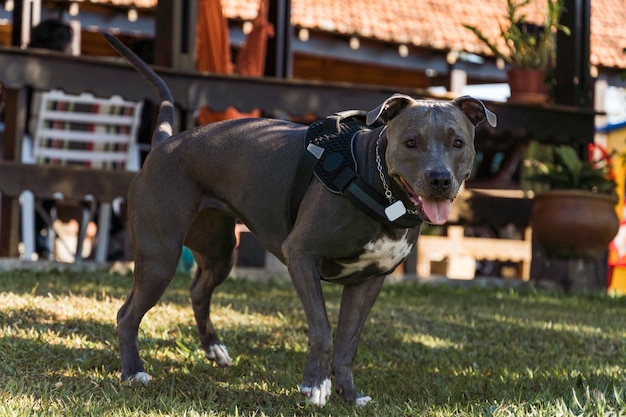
362,401
219,354
140,377
317,395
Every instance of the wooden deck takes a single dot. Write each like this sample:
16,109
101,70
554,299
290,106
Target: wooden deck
44,70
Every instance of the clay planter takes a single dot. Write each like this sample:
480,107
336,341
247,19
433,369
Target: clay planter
527,86
574,223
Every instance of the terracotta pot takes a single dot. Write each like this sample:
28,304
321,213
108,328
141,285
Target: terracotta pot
527,86
574,223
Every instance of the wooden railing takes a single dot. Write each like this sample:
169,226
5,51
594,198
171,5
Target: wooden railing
44,70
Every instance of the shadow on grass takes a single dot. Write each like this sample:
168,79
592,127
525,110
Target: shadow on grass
40,341
65,282
485,345
421,345
59,375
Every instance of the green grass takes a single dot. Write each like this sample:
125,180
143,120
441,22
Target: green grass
426,350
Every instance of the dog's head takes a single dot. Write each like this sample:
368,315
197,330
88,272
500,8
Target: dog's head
430,148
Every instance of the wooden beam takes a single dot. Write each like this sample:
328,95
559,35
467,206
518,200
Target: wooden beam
43,180
72,181
45,70
279,62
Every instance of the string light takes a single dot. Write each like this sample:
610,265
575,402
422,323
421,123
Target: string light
74,9
303,35
403,50
133,15
452,57
355,43
247,27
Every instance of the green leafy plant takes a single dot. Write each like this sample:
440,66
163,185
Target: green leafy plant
560,167
527,45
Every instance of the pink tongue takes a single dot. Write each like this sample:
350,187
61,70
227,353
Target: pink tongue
437,210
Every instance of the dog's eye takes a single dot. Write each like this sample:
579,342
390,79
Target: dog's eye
458,143
411,143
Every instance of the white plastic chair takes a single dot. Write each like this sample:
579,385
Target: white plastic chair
80,130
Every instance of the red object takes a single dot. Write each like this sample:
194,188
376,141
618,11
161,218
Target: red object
213,51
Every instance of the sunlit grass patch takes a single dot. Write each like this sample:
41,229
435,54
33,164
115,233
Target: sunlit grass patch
439,351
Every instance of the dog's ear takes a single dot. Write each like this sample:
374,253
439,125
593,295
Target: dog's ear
389,108
475,110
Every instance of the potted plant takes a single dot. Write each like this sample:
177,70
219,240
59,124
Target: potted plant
529,49
573,213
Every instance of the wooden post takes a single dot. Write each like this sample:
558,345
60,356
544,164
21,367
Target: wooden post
175,38
279,62
26,15
15,116
574,85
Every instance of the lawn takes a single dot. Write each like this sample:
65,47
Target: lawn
426,350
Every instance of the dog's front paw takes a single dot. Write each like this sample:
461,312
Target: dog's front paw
317,395
362,401
219,354
140,377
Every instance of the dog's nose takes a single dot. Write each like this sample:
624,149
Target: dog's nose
440,181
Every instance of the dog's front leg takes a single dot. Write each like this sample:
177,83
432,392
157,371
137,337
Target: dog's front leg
305,274
356,303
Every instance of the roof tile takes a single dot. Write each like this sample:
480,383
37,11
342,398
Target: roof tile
431,23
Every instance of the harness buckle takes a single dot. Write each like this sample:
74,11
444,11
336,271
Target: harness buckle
344,179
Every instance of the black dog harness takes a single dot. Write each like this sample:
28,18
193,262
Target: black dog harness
329,155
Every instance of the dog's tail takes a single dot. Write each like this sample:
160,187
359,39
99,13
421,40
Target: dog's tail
165,118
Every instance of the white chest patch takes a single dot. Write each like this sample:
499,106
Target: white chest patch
384,253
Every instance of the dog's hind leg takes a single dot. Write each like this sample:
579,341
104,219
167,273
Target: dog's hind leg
212,242
356,303
151,280
158,232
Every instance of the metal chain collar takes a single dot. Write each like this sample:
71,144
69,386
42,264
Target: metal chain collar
379,166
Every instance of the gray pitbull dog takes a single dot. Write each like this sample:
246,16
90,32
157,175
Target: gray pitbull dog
194,186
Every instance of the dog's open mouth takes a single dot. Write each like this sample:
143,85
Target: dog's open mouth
432,210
